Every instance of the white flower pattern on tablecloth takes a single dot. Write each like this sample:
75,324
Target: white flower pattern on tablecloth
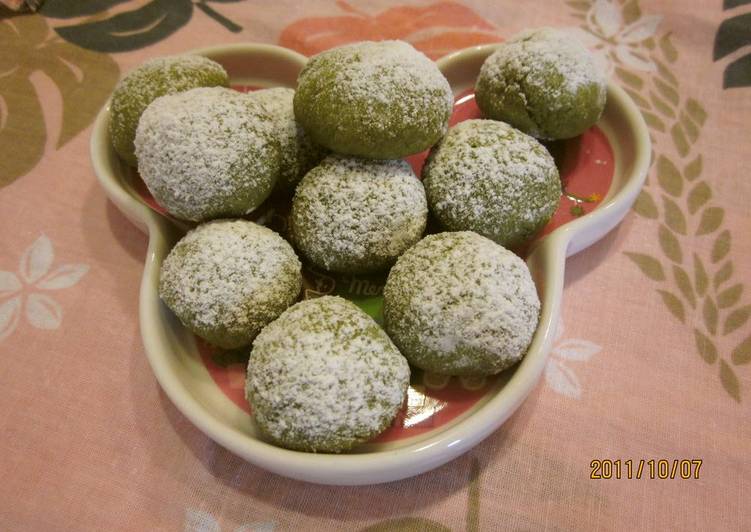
612,40
559,376
25,292
202,521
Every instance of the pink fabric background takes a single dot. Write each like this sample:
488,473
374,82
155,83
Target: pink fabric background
89,442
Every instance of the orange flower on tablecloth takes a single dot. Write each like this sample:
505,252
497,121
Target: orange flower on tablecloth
436,29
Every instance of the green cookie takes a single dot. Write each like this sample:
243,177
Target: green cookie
379,100
226,280
460,304
357,216
207,153
488,177
324,377
298,152
154,78
544,83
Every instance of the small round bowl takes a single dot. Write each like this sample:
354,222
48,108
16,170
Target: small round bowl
179,361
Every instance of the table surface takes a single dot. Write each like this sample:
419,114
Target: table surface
652,360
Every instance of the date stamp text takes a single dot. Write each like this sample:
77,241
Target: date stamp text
645,469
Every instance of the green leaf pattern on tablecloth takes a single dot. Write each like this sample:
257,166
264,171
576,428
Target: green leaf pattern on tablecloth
701,280
676,196
68,9
734,33
84,79
129,29
645,205
649,266
742,353
407,524
705,346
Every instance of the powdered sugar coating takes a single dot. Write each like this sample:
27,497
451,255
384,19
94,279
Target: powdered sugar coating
227,279
460,304
154,78
207,153
298,152
355,215
543,82
488,177
380,100
324,377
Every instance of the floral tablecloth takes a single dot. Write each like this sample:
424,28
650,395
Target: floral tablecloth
652,359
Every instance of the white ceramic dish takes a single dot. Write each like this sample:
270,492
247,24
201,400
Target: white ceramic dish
174,356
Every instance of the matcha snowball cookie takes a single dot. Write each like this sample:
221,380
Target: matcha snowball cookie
488,177
460,304
298,152
225,280
207,153
379,100
325,377
357,216
154,78
543,82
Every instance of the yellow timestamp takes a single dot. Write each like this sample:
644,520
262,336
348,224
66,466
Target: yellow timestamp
648,469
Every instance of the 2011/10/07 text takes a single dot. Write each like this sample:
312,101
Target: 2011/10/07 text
649,469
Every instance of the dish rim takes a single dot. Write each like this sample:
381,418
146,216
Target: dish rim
431,451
